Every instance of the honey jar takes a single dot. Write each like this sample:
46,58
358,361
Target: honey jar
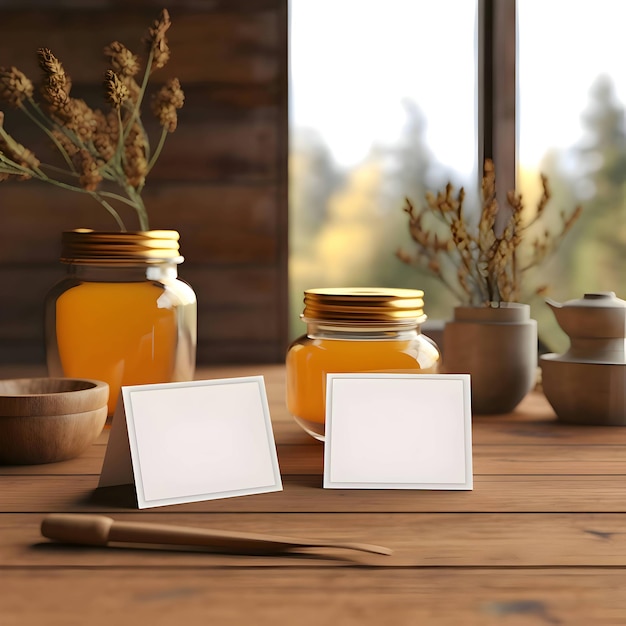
354,330
121,314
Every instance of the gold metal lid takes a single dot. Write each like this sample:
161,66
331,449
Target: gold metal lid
364,304
118,248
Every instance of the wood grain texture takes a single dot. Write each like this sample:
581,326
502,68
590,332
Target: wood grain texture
303,457
216,46
221,224
49,438
345,596
239,310
541,540
427,540
304,494
25,397
221,179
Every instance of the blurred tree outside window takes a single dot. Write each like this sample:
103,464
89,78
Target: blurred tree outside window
572,127
383,105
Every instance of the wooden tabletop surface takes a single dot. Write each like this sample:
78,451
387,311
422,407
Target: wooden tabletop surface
540,540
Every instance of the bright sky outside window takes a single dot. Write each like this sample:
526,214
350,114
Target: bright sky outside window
383,104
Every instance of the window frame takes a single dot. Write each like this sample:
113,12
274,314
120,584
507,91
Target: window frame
497,90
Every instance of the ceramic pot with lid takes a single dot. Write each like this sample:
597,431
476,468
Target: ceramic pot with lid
587,383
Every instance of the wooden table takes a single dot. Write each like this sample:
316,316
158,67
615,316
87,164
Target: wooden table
540,540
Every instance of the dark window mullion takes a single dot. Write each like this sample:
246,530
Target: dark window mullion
497,125
485,80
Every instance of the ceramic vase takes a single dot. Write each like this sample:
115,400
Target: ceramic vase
497,346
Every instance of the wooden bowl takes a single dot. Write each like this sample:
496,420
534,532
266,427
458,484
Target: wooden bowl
43,420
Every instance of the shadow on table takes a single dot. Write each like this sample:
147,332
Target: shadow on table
325,554
120,497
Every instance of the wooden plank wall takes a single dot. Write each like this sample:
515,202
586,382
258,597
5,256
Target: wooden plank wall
221,180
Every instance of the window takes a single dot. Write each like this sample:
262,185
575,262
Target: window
572,127
384,105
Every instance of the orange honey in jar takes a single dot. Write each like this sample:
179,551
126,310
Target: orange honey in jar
352,330
121,314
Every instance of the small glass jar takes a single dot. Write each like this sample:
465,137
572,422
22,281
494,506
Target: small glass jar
121,314
349,331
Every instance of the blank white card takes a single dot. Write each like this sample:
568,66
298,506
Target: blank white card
398,431
194,441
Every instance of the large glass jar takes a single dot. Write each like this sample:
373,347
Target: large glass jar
121,314
354,330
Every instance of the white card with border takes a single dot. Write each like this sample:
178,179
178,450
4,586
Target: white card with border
192,441
398,431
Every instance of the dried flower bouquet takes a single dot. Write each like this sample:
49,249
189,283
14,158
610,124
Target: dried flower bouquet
480,264
99,149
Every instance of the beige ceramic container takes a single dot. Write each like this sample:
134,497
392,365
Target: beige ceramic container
587,384
497,346
43,420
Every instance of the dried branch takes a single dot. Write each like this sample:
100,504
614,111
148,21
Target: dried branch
95,145
478,265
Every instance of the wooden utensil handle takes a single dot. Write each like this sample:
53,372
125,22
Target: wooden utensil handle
81,529
98,530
